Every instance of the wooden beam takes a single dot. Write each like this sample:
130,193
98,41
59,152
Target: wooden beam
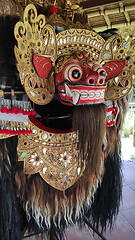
90,4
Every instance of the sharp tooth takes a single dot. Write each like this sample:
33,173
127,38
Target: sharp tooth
68,92
63,93
98,94
75,96
91,94
84,94
102,94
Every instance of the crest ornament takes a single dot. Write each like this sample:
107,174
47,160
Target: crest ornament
120,46
33,36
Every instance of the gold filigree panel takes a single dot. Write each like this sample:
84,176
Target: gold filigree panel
33,36
120,47
53,155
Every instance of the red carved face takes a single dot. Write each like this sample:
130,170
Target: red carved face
80,81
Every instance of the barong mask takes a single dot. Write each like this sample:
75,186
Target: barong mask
75,55
62,168
69,64
75,66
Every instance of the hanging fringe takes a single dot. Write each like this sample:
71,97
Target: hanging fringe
106,202
10,214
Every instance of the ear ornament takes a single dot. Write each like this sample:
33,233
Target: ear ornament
34,37
119,48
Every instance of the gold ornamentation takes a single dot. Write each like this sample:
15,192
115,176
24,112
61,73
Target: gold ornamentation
120,47
12,92
33,36
66,12
72,8
1,93
80,39
53,155
57,20
4,136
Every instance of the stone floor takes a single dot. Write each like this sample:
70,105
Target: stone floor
124,228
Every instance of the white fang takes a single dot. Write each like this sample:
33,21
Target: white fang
68,92
75,96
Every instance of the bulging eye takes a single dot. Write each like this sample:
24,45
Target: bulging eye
101,76
101,73
76,74
73,72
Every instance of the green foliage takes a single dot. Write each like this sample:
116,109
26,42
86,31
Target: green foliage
126,132
134,139
131,129
128,126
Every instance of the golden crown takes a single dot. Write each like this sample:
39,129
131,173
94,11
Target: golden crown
80,39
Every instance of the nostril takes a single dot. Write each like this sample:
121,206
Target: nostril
101,81
91,81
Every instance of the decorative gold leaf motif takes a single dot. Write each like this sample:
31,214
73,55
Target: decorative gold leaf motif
120,47
33,36
53,155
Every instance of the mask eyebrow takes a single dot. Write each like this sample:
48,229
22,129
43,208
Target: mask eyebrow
61,62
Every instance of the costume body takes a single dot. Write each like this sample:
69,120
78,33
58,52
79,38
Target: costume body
59,175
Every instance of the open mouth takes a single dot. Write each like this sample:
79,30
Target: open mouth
80,94
58,113
55,115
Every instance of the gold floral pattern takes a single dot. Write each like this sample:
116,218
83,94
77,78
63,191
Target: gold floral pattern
53,155
65,158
